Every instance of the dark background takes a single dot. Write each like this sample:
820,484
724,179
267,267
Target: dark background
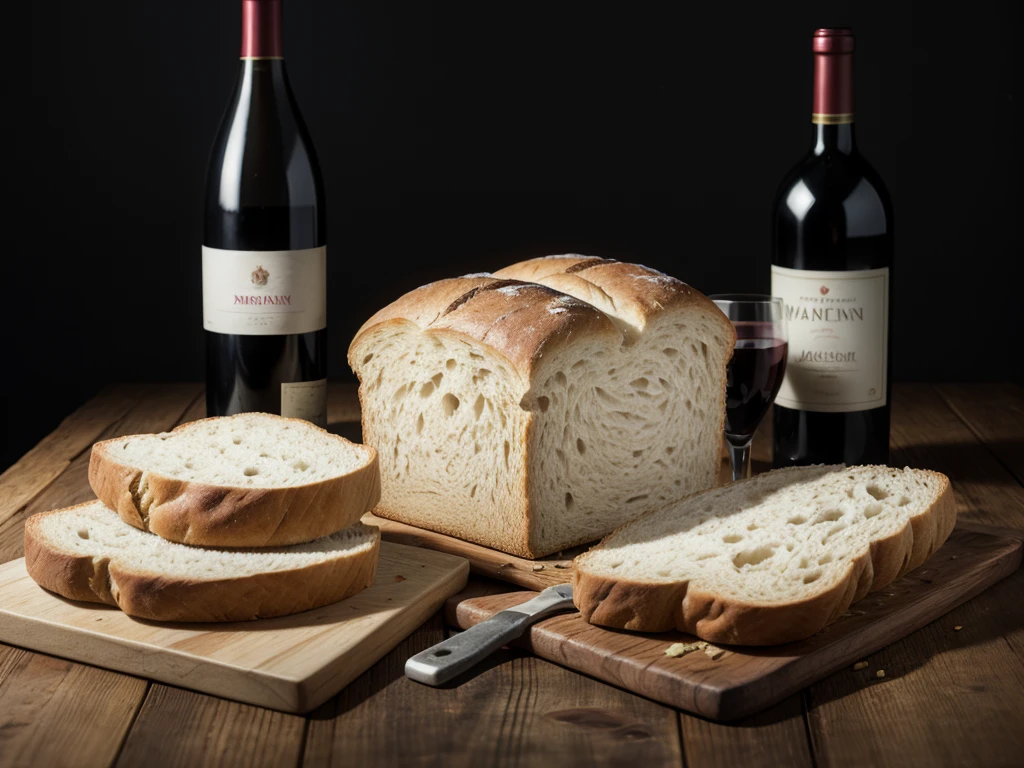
460,137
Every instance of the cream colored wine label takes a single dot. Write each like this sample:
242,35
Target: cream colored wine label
305,400
838,338
264,293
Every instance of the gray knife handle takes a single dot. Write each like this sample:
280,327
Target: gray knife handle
451,657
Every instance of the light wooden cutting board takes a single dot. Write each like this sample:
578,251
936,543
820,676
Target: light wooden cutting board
293,663
746,680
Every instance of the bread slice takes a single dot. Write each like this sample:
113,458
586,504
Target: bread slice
545,405
251,480
768,560
88,553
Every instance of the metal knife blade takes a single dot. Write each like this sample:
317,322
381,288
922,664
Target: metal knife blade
450,658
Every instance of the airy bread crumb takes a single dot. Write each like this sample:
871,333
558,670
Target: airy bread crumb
765,561
88,553
542,407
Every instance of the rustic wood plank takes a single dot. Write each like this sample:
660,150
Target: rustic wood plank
58,713
995,414
174,726
948,697
52,455
195,411
747,680
954,696
515,710
53,711
180,728
926,433
844,744
220,732
157,407
777,736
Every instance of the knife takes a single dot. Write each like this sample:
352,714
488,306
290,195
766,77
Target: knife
450,658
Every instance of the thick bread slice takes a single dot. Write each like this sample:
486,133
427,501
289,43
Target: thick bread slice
534,416
768,560
251,480
88,553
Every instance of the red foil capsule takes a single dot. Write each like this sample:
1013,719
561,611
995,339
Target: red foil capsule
833,76
261,29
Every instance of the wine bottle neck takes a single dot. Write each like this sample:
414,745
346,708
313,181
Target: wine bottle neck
834,138
261,29
832,113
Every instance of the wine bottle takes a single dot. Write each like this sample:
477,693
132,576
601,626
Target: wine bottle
832,251
264,243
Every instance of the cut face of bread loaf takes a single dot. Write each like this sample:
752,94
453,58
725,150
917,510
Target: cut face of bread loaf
251,480
88,553
768,560
540,407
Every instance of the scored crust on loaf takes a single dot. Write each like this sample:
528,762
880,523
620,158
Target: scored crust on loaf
88,553
251,480
768,560
540,407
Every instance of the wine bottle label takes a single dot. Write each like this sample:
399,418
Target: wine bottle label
838,338
305,400
264,293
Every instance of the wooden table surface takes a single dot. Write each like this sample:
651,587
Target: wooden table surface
949,697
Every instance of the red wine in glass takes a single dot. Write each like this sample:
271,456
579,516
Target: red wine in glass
755,372
754,377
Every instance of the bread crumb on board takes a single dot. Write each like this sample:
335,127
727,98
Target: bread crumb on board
880,673
958,627
681,649
859,665
714,651
538,567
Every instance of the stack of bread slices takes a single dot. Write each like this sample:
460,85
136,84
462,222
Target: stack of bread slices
224,519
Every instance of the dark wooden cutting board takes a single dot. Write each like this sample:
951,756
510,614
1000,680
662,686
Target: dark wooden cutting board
746,680
483,561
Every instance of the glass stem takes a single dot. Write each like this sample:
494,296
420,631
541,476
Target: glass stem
739,456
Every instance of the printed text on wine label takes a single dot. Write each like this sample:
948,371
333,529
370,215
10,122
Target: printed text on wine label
838,338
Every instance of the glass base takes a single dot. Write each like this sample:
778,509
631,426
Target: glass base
739,457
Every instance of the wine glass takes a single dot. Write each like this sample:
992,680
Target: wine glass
755,371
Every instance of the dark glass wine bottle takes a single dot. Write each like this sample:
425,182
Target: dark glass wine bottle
264,244
832,251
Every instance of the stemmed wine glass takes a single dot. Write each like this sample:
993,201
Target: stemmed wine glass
755,371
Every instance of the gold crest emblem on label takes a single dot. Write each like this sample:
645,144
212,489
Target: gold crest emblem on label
260,276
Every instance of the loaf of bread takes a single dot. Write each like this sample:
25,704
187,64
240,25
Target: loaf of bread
768,560
251,480
542,406
88,553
